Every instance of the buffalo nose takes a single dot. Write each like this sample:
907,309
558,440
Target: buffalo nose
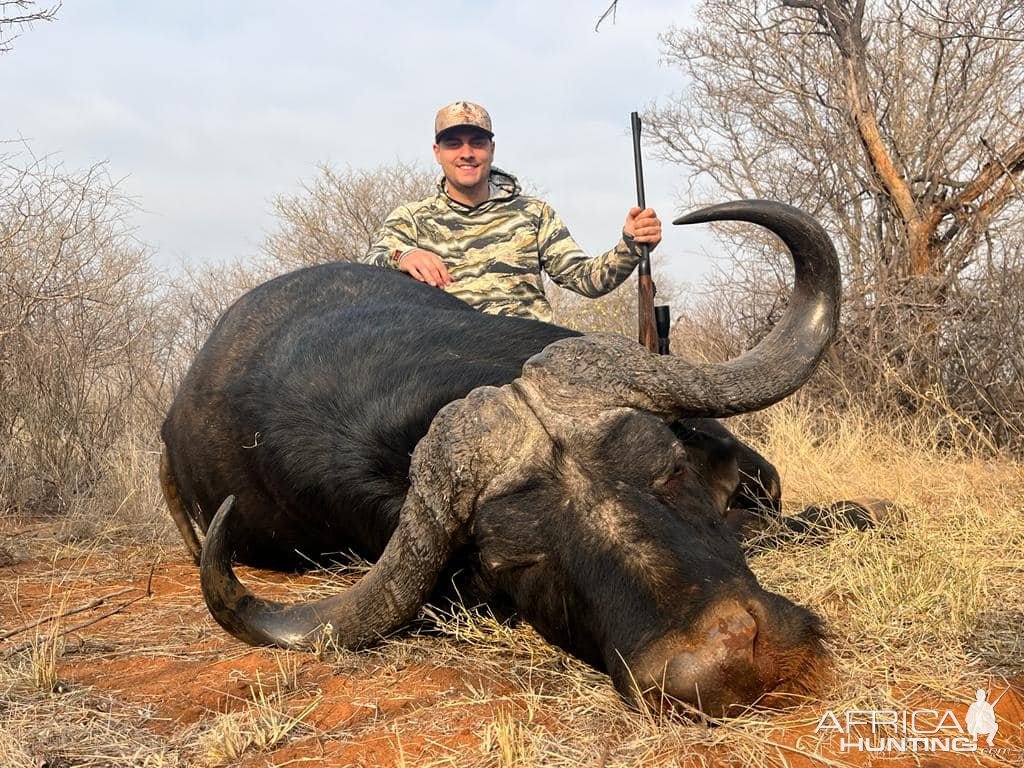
712,670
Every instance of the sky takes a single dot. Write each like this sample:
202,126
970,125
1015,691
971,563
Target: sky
207,111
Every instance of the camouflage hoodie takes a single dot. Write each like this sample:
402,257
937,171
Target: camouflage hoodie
495,251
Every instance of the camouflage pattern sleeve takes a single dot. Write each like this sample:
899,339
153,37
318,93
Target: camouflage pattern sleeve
567,264
396,236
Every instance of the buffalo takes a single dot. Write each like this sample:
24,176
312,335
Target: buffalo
576,482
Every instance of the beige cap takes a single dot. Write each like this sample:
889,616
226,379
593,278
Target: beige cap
462,113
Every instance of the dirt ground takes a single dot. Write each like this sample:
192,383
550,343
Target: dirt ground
126,647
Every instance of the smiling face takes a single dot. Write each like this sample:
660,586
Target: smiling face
465,155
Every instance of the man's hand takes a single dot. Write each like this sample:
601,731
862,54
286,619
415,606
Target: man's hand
644,226
426,267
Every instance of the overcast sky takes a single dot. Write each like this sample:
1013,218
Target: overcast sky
208,110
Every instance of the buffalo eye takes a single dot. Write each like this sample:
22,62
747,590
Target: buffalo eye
513,562
675,473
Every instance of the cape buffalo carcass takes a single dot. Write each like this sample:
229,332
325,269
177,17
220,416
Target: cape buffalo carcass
349,408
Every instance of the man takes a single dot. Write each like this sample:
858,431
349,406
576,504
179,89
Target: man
484,242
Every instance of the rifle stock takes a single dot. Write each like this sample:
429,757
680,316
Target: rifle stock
647,330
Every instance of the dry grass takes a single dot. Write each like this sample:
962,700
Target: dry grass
44,721
924,611
933,596
263,724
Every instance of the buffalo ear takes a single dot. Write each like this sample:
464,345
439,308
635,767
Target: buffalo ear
713,458
723,478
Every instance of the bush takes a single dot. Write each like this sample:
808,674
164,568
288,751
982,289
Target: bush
76,330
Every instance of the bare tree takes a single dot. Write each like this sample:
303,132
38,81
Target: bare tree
905,132
194,300
16,15
336,217
899,124
76,328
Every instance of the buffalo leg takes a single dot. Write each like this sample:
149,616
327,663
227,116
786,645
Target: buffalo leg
820,522
862,513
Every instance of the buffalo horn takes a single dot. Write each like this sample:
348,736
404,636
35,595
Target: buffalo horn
460,454
597,371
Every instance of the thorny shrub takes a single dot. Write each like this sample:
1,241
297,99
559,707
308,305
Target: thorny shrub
76,329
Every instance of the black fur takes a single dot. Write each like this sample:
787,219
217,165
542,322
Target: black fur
334,373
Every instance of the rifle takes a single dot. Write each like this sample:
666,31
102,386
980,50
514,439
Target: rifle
1001,696
653,322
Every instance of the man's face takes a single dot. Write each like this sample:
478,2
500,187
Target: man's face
465,156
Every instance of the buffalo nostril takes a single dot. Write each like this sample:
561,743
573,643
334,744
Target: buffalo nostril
735,629
724,654
716,671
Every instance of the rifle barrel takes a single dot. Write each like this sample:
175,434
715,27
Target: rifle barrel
644,267
638,163
1001,696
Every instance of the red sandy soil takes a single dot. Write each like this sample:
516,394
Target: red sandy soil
164,655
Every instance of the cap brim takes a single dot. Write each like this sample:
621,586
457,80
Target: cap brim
450,128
